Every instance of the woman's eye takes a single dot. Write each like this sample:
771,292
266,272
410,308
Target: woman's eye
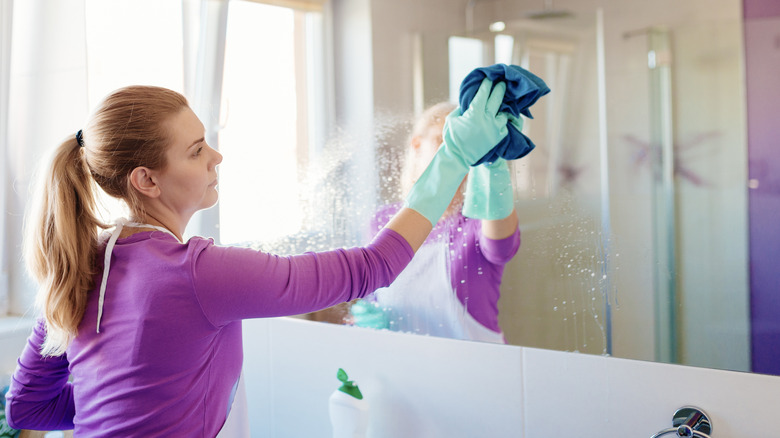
200,148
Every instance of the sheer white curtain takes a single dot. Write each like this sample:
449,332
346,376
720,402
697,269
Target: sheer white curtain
204,30
47,101
6,18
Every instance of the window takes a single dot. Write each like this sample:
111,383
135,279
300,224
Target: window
119,55
272,90
259,137
263,113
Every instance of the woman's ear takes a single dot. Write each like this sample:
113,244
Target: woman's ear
415,143
144,181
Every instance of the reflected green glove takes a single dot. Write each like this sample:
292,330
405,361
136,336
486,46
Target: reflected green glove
368,314
489,193
467,138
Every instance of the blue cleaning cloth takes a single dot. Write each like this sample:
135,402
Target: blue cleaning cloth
523,89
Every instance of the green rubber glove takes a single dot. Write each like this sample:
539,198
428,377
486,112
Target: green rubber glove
368,314
467,138
489,193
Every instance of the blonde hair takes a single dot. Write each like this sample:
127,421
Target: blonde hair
126,131
433,116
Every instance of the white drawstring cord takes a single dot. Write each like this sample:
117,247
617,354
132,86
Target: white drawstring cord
120,223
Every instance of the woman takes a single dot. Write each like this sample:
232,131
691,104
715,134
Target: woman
451,287
147,327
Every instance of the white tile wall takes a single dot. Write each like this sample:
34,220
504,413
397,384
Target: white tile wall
429,387
592,396
415,385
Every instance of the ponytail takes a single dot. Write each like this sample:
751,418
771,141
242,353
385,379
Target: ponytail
127,130
60,243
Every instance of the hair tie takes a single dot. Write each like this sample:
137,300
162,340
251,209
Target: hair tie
80,138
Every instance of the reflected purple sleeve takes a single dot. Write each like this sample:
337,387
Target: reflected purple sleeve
501,251
478,286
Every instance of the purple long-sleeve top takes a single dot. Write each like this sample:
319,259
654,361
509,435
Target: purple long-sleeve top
169,351
476,262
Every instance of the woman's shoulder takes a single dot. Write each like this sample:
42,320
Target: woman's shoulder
164,244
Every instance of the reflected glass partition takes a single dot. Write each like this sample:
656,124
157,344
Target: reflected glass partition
556,291
636,249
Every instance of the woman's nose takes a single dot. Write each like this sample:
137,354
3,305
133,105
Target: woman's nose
217,157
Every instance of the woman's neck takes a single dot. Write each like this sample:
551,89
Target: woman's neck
148,223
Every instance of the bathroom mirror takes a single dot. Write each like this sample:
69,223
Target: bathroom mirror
633,208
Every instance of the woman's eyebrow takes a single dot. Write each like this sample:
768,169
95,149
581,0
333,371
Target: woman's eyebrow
200,140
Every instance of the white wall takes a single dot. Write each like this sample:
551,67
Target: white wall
427,387
13,336
421,386
290,368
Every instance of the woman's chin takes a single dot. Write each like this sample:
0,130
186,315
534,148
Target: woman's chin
210,200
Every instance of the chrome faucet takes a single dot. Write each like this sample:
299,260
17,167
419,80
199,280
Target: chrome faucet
689,421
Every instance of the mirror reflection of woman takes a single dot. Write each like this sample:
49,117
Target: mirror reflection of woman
451,287
140,331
